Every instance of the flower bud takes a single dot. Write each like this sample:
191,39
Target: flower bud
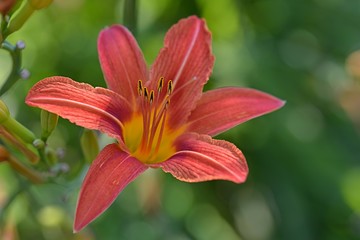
39,4
48,123
13,126
4,112
89,145
19,17
4,154
20,45
24,74
6,5
38,144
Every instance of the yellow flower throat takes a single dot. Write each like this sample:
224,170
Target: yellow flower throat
148,135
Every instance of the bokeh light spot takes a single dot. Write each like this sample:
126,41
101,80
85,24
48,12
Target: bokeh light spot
350,189
51,216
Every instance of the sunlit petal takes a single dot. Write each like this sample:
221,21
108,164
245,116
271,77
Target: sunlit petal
121,60
108,175
93,108
187,60
201,158
221,109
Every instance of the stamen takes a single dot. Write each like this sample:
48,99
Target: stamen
154,106
151,96
159,115
167,103
146,119
160,84
170,88
140,88
146,94
156,121
162,127
157,96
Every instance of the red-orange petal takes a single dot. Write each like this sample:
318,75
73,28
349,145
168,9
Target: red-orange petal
108,175
187,60
201,158
122,61
89,107
221,109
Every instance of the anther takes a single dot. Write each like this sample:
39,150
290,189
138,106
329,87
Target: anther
170,88
146,94
160,84
151,96
140,88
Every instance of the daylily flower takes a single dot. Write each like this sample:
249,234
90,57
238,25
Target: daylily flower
160,119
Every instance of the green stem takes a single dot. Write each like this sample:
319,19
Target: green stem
43,157
14,75
3,24
130,15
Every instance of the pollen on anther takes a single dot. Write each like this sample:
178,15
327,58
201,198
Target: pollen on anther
151,99
146,94
140,88
160,84
170,87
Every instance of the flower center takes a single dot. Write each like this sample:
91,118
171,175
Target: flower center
148,135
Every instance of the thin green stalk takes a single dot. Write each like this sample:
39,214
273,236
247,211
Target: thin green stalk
15,73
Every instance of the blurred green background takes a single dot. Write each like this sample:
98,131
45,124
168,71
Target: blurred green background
304,159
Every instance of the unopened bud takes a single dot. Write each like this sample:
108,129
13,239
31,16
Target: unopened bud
39,4
38,144
89,145
6,5
24,74
4,112
20,45
48,123
13,126
4,154
19,17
